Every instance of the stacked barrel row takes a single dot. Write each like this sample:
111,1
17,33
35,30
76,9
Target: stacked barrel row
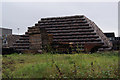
26,42
22,43
33,41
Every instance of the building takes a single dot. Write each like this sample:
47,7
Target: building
116,43
115,40
4,32
66,32
7,38
110,35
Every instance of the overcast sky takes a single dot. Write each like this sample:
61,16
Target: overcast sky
26,14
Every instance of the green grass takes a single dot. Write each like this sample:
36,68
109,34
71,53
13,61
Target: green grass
96,65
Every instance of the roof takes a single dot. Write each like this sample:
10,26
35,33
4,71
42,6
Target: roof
111,34
5,28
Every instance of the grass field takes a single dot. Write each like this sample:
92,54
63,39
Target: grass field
96,65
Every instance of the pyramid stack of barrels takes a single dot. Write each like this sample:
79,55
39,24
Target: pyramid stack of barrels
33,40
78,30
22,43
